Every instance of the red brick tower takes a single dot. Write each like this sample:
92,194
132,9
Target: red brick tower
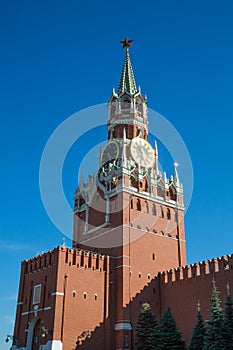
128,209
128,226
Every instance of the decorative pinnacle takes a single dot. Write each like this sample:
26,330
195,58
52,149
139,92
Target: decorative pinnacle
126,43
156,147
63,242
176,177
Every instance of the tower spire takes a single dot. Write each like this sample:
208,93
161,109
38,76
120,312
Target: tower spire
127,82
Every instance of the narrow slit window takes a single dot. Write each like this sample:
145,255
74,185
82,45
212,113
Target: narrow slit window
153,209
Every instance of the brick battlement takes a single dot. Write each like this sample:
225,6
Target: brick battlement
85,259
73,257
208,267
40,262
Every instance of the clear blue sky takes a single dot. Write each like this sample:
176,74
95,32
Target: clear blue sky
58,57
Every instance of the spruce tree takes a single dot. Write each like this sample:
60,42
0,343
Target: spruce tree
228,321
199,331
214,339
166,335
145,325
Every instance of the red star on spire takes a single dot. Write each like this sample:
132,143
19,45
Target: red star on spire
126,43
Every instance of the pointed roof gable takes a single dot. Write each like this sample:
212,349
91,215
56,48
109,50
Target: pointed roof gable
127,82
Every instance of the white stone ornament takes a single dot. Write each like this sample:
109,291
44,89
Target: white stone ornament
142,152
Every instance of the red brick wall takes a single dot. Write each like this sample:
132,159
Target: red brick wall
39,270
73,275
182,289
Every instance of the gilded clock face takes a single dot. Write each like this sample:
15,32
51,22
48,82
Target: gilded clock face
110,152
142,152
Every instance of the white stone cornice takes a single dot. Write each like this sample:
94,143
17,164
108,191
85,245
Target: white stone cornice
33,311
57,293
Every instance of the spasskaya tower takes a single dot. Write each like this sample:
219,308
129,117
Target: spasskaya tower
128,227
128,209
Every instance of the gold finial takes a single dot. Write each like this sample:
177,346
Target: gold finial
126,43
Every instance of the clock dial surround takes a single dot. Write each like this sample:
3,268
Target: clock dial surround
110,152
142,152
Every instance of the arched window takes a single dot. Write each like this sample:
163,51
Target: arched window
147,207
146,186
138,105
131,204
153,209
172,193
126,104
138,206
161,212
138,102
168,214
160,189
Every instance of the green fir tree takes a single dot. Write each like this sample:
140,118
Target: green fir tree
228,321
214,339
199,331
145,326
166,335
